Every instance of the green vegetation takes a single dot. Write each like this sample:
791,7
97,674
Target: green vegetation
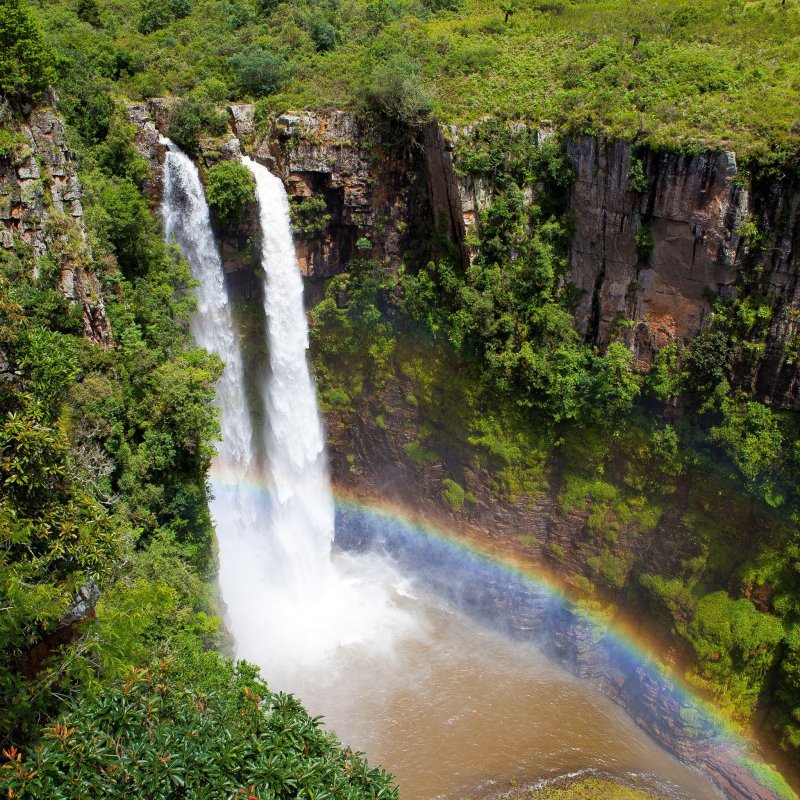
191,728
683,489
109,678
686,76
309,215
690,517
230,188
104,455
583,789
25,60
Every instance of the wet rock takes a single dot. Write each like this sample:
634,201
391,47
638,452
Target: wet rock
374,195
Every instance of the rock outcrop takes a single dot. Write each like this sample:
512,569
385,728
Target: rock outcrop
705,235
41,212
373,194
646,260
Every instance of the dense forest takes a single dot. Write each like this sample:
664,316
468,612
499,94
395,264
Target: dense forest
111,646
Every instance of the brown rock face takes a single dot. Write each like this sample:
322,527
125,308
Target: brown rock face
374,194
691,213
691,218
40,208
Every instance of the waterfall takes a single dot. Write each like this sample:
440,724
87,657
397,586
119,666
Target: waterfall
302,514
186,222
290,604
418,686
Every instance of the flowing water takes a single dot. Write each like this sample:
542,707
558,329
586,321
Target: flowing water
446,704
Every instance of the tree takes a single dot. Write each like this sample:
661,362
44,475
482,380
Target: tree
398,92
230,187
88,11
508,7
259,72
157,14
25,60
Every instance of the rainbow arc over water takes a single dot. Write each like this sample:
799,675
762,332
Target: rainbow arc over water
528,603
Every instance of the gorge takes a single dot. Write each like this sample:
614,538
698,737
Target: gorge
414,377
351,636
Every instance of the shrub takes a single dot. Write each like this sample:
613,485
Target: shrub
10,141
157,14
735,645
644,242
323,34
202,728
25,61
637,180
188,118
397,91
259,72
310,215
229,189
88,11
453,493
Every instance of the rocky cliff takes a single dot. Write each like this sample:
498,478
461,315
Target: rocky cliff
41,211
657,235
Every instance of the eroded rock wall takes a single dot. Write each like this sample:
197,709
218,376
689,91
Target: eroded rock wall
694,211
375,197
647,260
41,211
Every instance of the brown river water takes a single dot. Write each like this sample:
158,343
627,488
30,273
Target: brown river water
457,710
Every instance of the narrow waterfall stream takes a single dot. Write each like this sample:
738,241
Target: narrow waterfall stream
448,705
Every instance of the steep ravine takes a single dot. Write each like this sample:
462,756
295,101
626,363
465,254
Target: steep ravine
380,201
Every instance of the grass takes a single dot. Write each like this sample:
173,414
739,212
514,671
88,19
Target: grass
677,75
592,788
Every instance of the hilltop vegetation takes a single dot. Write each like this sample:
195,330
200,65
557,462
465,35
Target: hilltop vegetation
714,73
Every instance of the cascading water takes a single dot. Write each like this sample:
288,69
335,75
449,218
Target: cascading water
186,221
443,702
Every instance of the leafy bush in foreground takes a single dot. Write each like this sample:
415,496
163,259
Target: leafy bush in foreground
203,728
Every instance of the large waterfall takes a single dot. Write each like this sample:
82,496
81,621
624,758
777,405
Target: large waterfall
288,604
186,222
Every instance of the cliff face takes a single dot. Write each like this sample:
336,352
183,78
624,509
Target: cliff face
40,209
374,195
694,210
646,258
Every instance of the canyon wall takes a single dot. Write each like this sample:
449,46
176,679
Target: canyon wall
646,262
41,212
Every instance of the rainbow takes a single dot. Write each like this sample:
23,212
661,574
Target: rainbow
528,602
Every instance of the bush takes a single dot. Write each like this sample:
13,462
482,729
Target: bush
188,118
397,91
453,493
25,60
643,238
230,188
157,14
735,645
88,11
259,72
199,729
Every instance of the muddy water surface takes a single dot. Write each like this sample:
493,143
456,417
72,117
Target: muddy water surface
457,710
